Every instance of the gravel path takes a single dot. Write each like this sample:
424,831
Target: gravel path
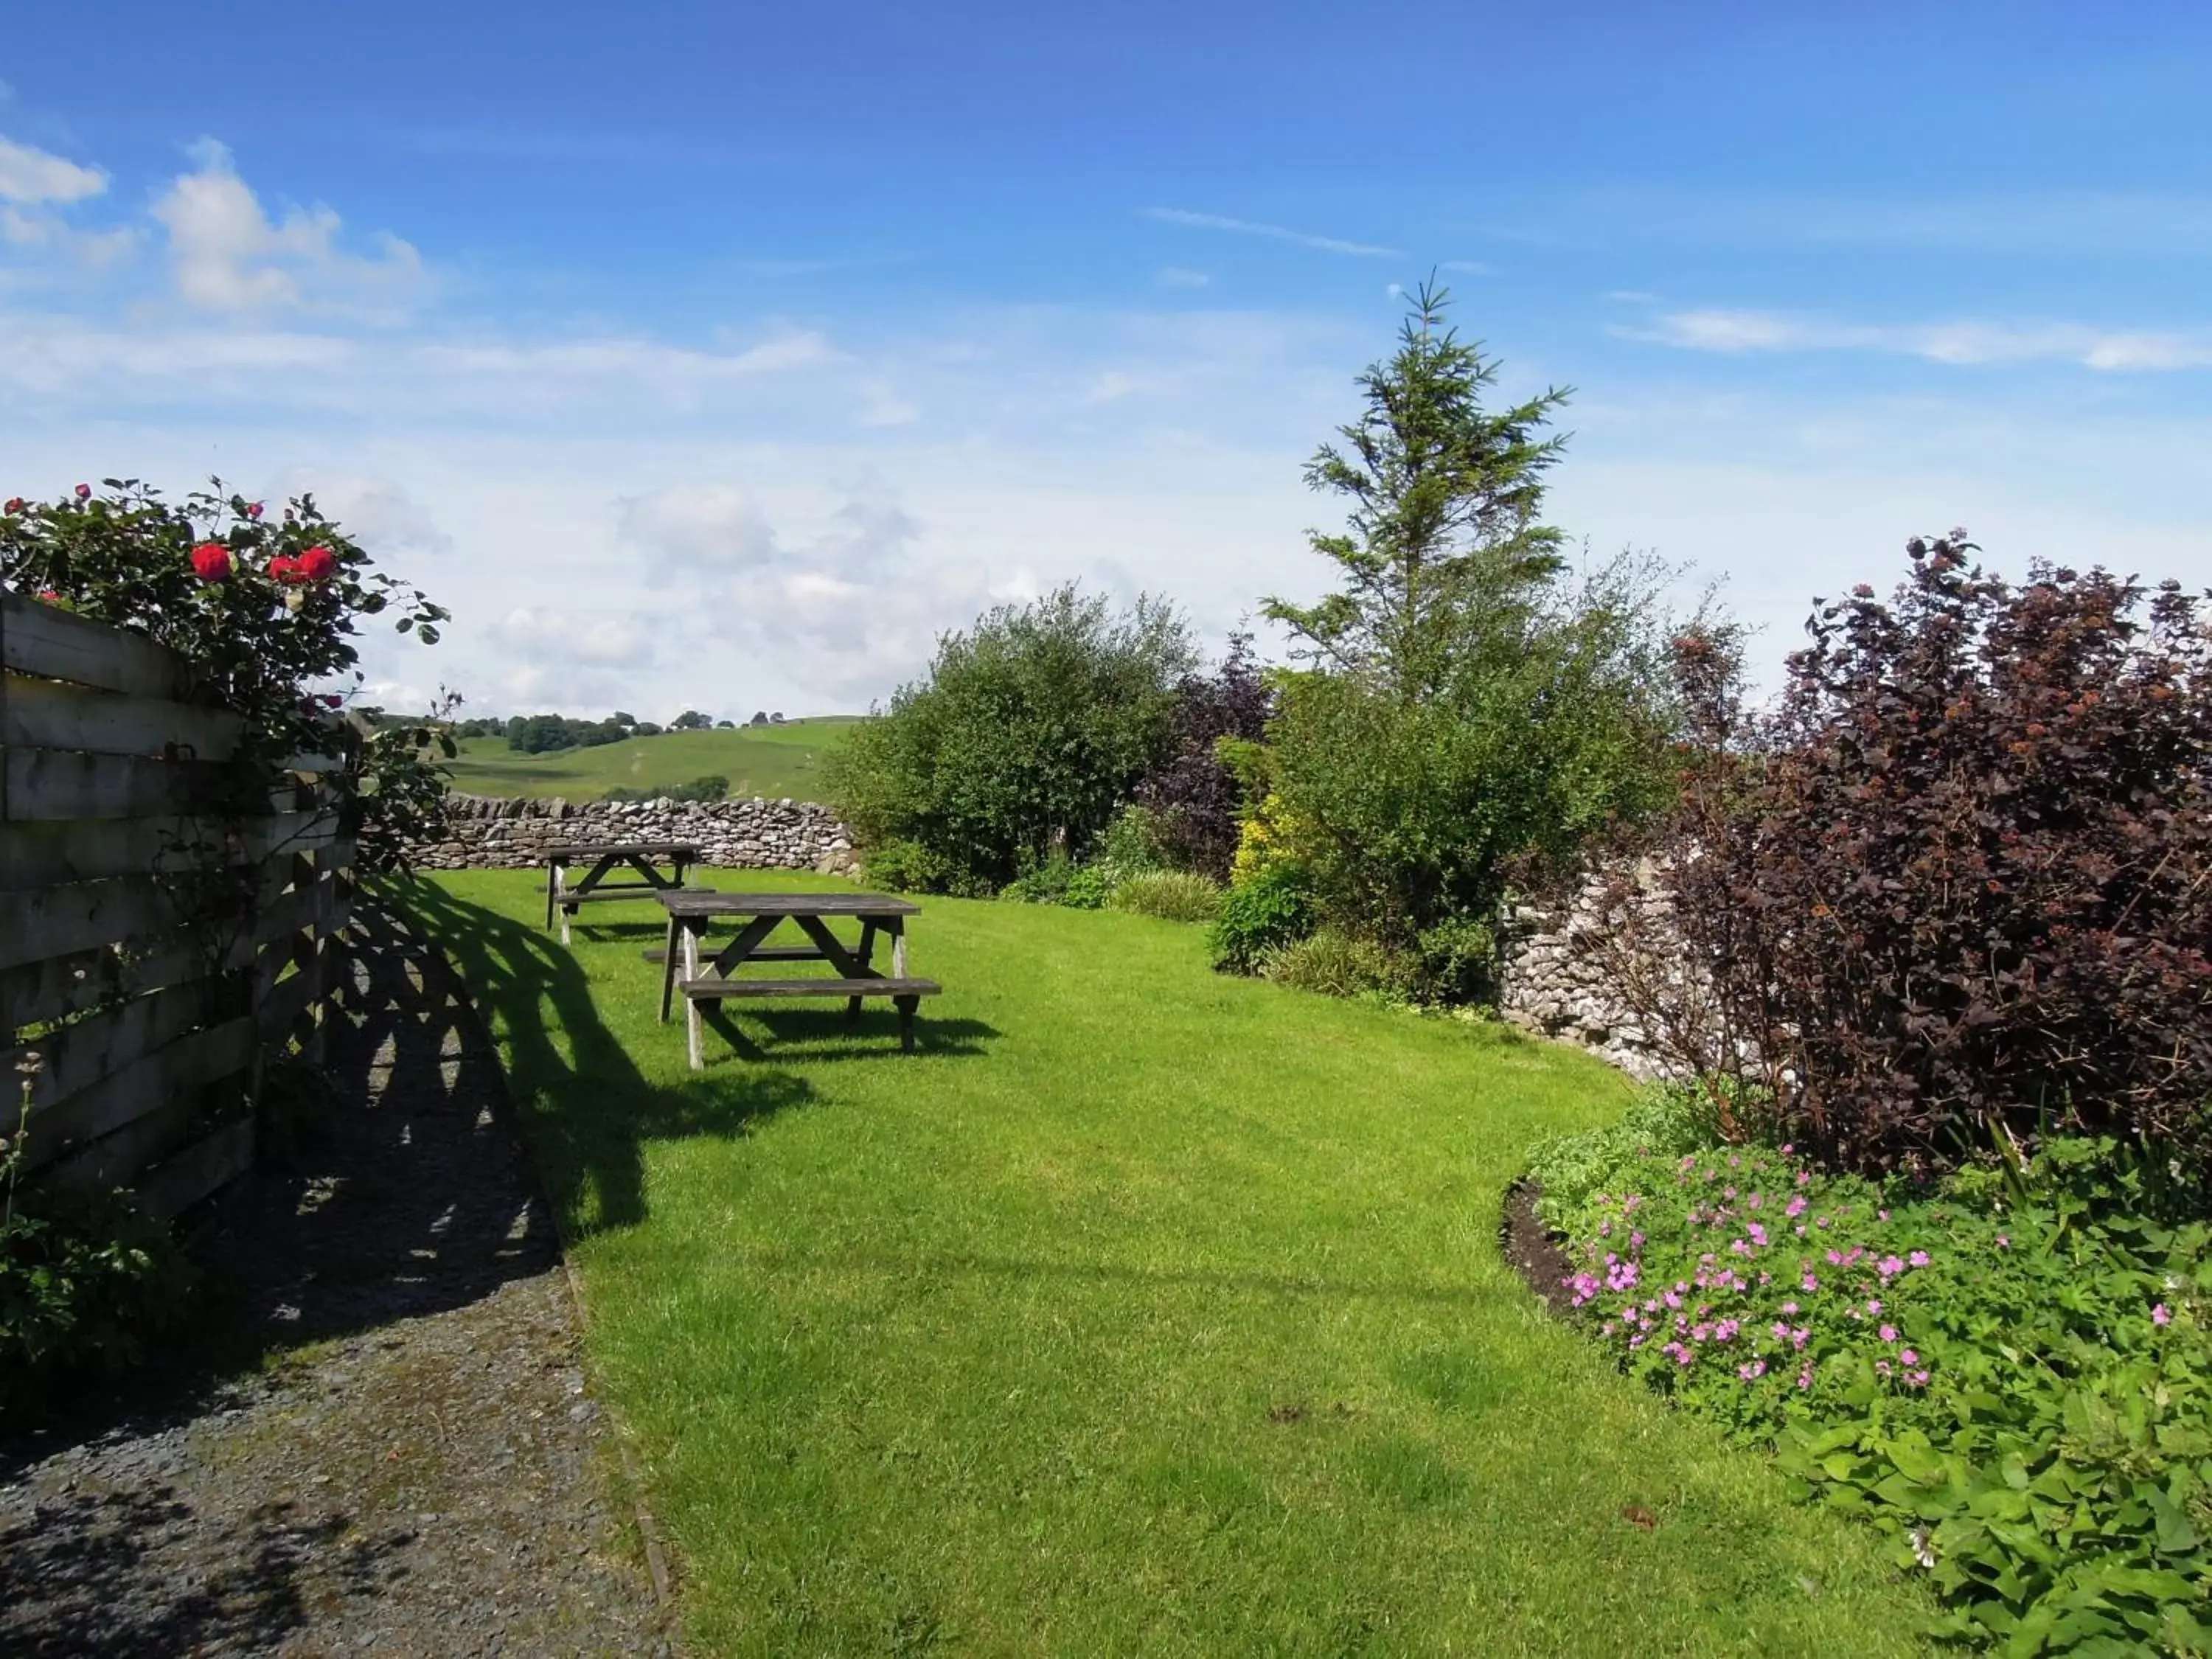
422,1469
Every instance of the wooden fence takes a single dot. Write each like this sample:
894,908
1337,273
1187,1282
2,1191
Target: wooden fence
147,1022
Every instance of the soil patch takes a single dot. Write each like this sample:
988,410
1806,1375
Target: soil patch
418,1465
1536,1252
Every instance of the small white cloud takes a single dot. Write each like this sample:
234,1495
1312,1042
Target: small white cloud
881,405
378,513
1184,276
555,637
1963,344
29,176
1468,268
706,526
1276,233
229,256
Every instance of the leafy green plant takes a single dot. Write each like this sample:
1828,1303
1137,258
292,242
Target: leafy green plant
1468,702
1170,895
81,1295
1271,909
1027,735
1340,964
713,788
2009,1374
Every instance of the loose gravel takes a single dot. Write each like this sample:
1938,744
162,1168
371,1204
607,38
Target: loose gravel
419,1466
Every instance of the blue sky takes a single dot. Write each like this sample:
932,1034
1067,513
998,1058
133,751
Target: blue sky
723,356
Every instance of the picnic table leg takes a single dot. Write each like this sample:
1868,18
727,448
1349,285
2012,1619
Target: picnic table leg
694,1021
552,887
865,955
906,1006
668,970
897,926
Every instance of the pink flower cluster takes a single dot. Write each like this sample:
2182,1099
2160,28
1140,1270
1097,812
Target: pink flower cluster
1692,1328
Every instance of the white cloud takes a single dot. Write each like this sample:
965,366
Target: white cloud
379,513
551,638
702,526
1468,268
1277,232
229,256
1184,276
1965,342
28,175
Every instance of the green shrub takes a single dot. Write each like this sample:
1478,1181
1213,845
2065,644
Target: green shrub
1131,845
82,1295
905,866
1088,888
1027,733
1042,882
1339,965
2010,1375
1665,1120
1274,908
1170,895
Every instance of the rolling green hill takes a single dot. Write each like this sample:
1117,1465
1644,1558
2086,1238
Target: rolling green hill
774,761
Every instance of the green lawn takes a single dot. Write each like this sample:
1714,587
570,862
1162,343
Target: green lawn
1145,1311
774,761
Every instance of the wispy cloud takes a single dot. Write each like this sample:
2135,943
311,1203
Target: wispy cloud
29,175
1277,232
1184,276
231,256
1967,342
1468,268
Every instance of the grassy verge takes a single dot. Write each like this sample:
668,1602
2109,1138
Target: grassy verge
774,761
1143,1311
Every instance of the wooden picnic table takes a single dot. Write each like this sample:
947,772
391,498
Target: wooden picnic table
714,980
644,858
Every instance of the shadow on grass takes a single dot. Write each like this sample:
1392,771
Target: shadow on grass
589,1108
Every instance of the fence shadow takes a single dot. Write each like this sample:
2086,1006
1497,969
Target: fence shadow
91,1573
590,1109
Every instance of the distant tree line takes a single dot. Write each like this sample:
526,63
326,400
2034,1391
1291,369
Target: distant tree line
539,735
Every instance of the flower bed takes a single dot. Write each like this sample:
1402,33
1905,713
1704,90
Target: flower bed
2009,1373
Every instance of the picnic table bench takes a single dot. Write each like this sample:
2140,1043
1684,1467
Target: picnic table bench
712,980
642,858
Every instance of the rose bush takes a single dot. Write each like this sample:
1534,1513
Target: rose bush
265,613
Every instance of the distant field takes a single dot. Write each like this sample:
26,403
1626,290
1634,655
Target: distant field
774,761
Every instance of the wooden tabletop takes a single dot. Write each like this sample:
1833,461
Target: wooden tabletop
697,902
664,849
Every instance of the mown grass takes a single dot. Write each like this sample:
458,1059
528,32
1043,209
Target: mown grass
1145,1311
774,761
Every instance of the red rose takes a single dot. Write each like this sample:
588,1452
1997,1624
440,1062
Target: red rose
317,564
84,492
50,596
14,504
285,568
211,561
253,509
332,700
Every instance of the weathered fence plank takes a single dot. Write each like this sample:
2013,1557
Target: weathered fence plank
206,1166
169,1072
52,643
45,784
53,855
117,846
54,921
81,1054
49,715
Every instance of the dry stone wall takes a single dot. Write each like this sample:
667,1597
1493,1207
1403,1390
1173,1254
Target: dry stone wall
1554,989
491,832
